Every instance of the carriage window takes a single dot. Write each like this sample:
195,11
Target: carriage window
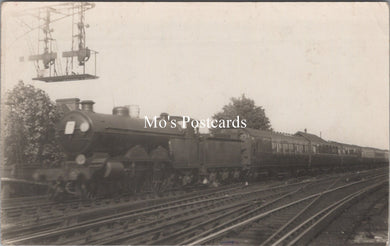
274,147
285,148
300,148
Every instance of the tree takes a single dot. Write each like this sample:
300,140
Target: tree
29,127
246,109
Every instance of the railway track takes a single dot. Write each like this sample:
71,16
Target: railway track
364,222
45,215
32,206
191,216
304,232
210,202
137,216
40,207
292,222
157,223
20,212
178,235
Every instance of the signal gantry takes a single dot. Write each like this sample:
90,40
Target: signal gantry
47,65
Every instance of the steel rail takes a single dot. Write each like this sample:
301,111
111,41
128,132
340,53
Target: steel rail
282,230
139,212
93,208
182,232
113,218
224,228
313,223
241,205
224,214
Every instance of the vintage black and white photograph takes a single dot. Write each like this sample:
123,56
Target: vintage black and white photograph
194,123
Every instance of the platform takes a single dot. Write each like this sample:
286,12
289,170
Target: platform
64,78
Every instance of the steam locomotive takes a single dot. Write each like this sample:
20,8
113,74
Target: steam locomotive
108,154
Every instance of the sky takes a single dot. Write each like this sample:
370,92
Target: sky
319,66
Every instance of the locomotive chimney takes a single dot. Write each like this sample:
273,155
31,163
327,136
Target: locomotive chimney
120,111
68,104
87,105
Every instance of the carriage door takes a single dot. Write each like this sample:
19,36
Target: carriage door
246,147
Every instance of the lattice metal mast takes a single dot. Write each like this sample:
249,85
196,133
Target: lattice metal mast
48,57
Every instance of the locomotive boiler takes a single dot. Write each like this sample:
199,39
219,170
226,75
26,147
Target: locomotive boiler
84,133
